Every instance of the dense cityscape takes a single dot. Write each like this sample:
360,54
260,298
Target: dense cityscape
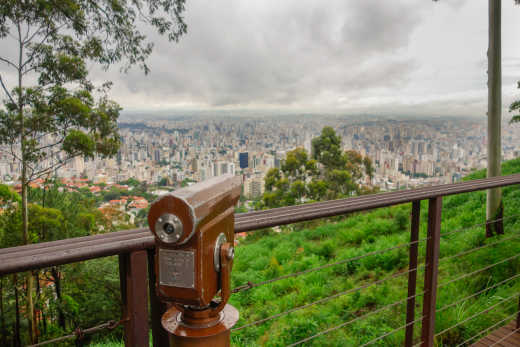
174,152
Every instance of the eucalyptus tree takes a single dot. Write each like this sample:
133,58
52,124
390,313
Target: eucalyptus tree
52,111
494,204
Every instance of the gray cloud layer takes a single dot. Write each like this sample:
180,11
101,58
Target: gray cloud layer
283,52
408,56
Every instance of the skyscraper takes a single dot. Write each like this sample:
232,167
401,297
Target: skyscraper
243,159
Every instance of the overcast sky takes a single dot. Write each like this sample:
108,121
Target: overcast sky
356,56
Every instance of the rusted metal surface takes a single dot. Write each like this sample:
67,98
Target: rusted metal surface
412,276
79,334
194,231
186,265
432,269
134,291
157,307
213,333
97,246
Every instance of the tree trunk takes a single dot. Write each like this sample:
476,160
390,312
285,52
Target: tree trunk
26,241
57,287
17,340
3,331
494,206
24,182
37,303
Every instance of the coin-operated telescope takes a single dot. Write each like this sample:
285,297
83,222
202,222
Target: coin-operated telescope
194,231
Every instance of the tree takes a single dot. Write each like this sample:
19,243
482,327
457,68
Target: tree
327,149
62,114
494,205
331,173
494,147
163,182
342,170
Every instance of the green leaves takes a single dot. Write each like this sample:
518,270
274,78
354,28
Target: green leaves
8,196
327,149
515,107
77,142
56,41
61,68
331,174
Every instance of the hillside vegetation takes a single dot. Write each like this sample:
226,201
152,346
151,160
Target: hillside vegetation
274,254
265,254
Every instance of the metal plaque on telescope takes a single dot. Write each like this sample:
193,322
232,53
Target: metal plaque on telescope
177,268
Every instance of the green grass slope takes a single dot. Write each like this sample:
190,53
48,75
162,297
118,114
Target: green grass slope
266,255
277,254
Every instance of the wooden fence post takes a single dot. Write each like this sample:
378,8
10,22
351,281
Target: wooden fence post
412,276
432,268
134,295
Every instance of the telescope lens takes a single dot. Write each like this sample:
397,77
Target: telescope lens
169,228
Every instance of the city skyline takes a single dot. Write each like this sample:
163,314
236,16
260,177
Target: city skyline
405,153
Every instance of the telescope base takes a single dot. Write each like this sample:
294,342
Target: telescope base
201,330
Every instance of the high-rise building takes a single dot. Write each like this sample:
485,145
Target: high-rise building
243,159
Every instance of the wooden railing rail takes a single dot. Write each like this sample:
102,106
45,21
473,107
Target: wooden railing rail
136,248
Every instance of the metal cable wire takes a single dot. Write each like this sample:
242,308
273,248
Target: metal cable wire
474,226
505,337
250,285
391,332
477,314
477,293
80,333
488,329
344,324
320,301
477,271
479,225
478,248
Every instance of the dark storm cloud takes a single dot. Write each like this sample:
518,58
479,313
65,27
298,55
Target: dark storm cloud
281,52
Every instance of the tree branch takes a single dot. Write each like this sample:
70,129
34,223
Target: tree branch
6,153
6,91
49,146
8,62
56,166
33,54
33,35
27,32
13,154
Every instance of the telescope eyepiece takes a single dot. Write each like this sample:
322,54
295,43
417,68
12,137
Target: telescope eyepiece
169,228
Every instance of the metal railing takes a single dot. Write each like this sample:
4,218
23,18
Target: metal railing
135,249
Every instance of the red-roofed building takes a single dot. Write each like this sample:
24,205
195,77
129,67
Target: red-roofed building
138,204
